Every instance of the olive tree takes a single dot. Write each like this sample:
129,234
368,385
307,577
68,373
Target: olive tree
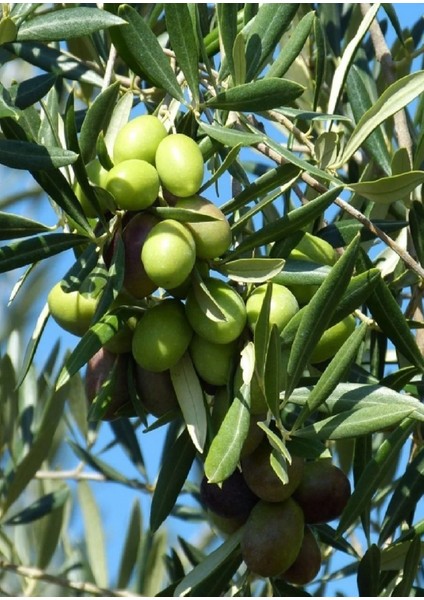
212,316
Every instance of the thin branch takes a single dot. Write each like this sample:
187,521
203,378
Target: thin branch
80,586
388,67
356,214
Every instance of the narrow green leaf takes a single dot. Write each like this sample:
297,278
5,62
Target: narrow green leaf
386,311
405,498
147,54
321,58
126,437
64,24
393,556
389,189
360,101
99,465
15,226
411,569
252,270
257,96
212,564
368,576
172,476
190,398
7,107
28,156
263,33
224,452
54,61
32,90
416,224
183,43
355,422
94,533
290,223
292,47
230,137
261,336
118,119
33,344
25,252
318,313
333,373
227,23
342,69
340,234
131,546
374,474
16,480
40,507
398,95
97,120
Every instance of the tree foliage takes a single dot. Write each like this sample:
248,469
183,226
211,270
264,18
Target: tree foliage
310,125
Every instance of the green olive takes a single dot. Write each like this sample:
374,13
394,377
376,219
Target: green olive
72,310
314,248
139,139
168,254
332,339
134,184
225,328
308,562
179,163
162,336
97,176
283,305
212,238
213,362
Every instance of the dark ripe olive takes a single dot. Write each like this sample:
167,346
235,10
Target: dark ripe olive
308,562
99,368
156,391
136,280
230,499
264,481
272,537
323,492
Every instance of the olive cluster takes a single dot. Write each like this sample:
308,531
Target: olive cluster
278,518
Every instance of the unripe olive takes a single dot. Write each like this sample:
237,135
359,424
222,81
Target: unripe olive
168,254
212,238
162,336
136,280
313,248
230,304
308,562
179,163
283,305
213,362
156,391
230,499
264,481
72,310
97,176
100,368
332,339
224,525
272,537
139,139
323,491
134,184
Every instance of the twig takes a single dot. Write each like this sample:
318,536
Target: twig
383,55
356,214
80,586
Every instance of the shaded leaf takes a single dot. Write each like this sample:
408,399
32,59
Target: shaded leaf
32,90
18,154
227,14
173,473
258,96
411,569
146,53
183,43
40,507
15,226
131,546
368,577
19,254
